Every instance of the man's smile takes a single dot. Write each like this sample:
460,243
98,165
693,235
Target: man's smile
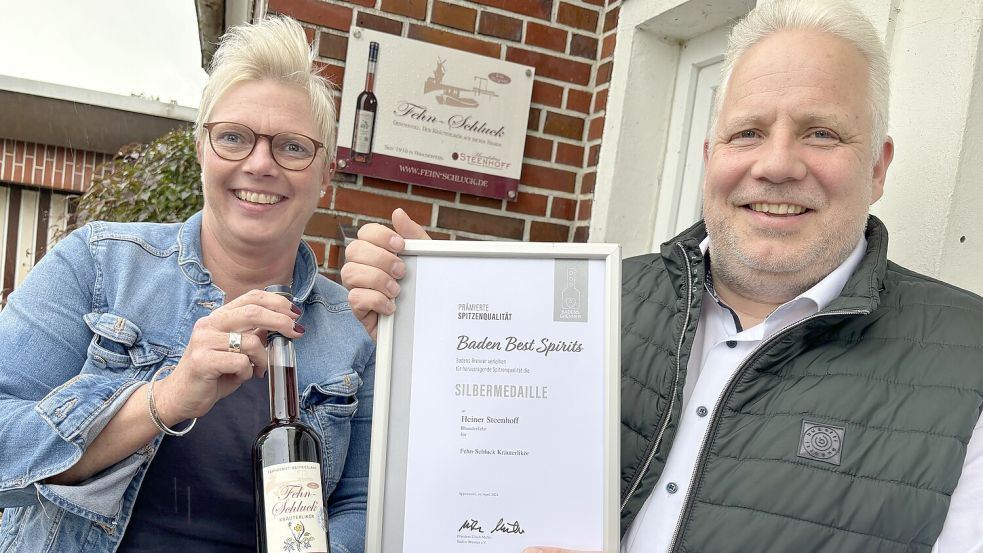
777,209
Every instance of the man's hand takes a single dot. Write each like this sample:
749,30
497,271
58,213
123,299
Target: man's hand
372,268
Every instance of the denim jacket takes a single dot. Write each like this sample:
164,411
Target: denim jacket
97,316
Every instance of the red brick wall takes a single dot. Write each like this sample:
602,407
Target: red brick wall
51,167
569,42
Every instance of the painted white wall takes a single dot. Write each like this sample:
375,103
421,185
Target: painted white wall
635,132
933,200
933,196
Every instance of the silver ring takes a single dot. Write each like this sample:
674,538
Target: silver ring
235,342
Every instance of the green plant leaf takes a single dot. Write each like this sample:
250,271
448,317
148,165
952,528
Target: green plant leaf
157,182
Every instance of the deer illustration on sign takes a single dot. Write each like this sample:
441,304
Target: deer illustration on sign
451,95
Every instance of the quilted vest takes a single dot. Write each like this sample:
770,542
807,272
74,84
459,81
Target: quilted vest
843,433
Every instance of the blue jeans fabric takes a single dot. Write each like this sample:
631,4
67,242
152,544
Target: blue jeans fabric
97,316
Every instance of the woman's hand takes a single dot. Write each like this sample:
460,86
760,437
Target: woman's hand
209,370
372,268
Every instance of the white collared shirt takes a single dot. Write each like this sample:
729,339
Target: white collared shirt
718,349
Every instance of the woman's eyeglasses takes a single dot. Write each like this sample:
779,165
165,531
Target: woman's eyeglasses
235,142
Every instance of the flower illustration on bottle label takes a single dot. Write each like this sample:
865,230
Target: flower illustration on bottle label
300,539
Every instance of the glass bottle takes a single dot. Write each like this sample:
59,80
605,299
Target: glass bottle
289,492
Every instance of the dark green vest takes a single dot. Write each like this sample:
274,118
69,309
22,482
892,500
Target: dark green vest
844,433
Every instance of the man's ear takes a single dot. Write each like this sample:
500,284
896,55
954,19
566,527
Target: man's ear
879,171
706,162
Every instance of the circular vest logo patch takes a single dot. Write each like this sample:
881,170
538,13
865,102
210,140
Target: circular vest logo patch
821,442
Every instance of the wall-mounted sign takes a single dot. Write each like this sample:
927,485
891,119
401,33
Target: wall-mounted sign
428,115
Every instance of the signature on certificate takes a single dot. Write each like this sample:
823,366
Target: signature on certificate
501,527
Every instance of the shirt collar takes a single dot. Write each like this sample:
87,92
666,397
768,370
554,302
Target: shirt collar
190,260
305,272
827,289
807,303
189,251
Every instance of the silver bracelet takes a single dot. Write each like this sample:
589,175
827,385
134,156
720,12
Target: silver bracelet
155,416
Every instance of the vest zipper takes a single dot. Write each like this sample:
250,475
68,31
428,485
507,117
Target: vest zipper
675,383
715,418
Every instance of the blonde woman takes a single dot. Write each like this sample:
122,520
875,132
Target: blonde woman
85,465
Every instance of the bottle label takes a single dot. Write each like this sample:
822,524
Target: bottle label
294,503
363,131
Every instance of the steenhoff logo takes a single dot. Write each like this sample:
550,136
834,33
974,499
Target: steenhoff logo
481,160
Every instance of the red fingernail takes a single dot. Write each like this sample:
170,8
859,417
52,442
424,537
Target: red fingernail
295,309
298,328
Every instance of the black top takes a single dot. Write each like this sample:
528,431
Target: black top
198,492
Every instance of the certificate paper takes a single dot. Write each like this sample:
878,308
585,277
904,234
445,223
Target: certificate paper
503,428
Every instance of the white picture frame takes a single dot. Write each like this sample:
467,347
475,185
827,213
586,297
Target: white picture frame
393,381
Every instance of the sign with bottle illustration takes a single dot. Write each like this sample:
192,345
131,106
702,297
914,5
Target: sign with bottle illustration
432,116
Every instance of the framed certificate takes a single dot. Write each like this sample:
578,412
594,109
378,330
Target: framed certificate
496,412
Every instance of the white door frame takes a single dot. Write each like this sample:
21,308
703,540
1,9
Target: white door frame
680,194
637,124
27,234
27,242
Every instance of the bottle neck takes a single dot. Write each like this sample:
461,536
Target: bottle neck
370,76
283,379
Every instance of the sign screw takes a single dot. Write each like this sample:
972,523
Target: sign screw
529,72
357,33
342,163
512,194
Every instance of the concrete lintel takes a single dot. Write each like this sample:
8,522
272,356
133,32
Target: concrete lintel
58,115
